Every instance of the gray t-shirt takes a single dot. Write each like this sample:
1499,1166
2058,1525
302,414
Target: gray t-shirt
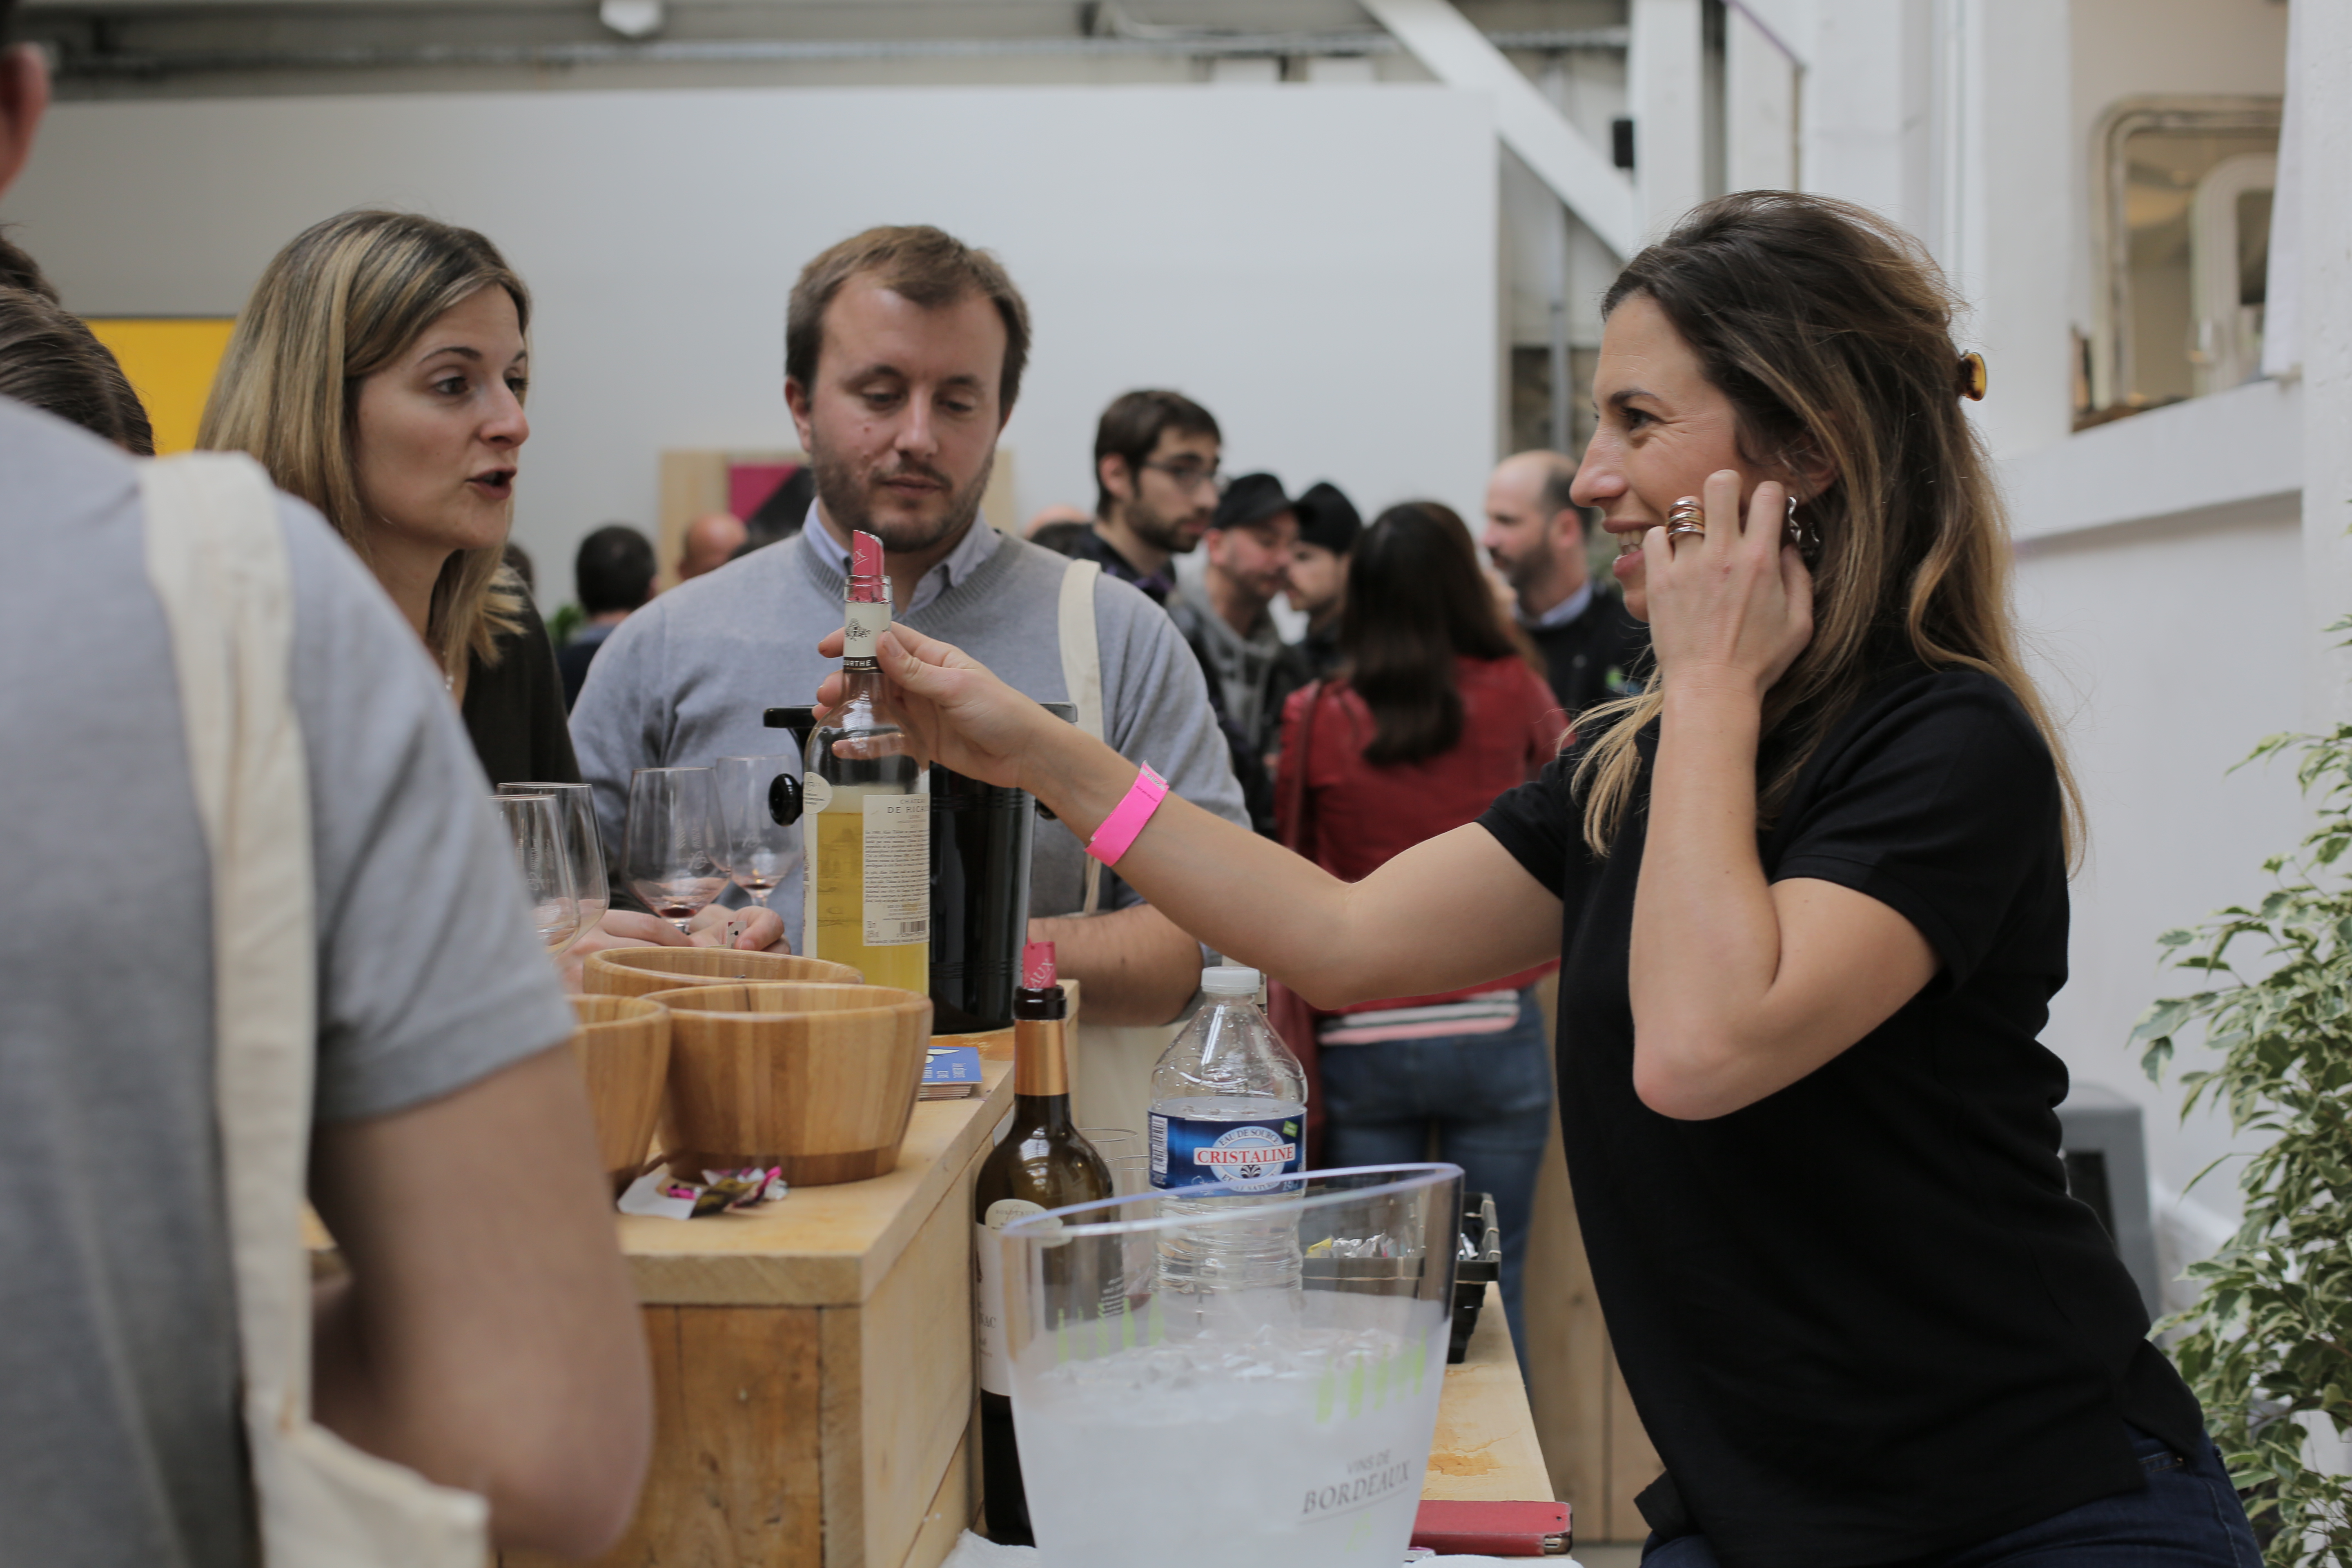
686,679
118,1433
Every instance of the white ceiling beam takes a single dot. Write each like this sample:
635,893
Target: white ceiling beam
1459,55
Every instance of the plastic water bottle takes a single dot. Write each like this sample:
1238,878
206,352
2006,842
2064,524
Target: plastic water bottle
1228,1108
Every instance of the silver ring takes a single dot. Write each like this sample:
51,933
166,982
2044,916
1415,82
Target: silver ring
1685,520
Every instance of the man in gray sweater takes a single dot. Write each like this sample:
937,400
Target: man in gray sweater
903,350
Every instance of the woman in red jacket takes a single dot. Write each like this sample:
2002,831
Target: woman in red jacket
1437,709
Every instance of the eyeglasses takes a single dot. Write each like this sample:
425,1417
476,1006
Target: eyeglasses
1190,474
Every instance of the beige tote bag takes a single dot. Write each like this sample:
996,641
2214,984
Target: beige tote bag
217,558
1111,1077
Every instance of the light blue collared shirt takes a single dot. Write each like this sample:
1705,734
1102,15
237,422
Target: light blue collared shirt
980,542
1559,615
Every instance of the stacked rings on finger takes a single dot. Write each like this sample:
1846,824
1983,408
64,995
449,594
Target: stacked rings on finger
1685,520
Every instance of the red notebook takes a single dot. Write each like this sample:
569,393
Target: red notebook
1493,1529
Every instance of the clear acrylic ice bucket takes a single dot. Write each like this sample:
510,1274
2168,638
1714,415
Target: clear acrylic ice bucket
1287,1424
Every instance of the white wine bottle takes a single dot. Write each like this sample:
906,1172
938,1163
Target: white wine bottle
866,827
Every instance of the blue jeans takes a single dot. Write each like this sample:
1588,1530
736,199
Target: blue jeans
1488,1098
2187,1516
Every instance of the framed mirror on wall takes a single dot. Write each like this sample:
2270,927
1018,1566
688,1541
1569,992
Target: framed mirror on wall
2181,244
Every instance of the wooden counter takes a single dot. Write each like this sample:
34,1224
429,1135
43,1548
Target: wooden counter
1486,1448
813,1374
812,1366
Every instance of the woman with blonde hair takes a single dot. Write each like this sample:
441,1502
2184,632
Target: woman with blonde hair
1808,892
379,373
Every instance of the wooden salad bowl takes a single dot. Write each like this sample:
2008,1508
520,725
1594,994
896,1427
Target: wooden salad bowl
642,971
623,1047
817,1079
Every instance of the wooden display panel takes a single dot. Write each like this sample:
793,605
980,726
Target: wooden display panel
1599,1455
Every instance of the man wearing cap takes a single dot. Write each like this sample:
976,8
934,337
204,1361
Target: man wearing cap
1536,535
1328,526
1251,671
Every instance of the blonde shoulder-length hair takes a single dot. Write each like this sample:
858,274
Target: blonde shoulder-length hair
345,298
1830,331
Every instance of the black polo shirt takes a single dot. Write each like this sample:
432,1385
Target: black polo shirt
1862,1318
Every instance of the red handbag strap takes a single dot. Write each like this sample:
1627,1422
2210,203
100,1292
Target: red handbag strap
1298,832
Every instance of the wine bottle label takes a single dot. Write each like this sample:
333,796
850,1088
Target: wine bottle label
897,869
815,794
990,1345
861,623
1246,1156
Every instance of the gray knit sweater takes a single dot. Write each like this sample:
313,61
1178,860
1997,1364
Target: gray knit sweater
685,680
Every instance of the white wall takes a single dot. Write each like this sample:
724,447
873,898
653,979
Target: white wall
2170,649
1316,264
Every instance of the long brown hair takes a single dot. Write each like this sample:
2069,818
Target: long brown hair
1830,330
344,299
1416,601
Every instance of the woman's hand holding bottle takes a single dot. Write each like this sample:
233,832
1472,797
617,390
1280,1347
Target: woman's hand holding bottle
957,712
1731,607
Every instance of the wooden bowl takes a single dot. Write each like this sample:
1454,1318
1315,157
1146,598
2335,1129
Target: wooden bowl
817,1079
642,971
623,1049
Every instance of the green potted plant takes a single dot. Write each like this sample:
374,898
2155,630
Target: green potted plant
2268,1347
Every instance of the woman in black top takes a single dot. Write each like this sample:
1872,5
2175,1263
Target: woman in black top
1809,893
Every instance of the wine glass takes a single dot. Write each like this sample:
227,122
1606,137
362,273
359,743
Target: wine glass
761,851
675,854
584,842
534,824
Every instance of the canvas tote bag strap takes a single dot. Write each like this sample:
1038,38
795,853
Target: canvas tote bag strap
216,560
1082,674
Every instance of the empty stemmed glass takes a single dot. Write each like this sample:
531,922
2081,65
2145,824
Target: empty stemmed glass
761,851
584,844
535,824
675,855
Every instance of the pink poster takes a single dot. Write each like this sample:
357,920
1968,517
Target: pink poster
750,484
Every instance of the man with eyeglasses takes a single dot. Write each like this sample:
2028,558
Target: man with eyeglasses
1156,488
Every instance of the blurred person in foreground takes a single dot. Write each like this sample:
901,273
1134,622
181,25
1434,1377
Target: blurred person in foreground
904,350
1436,711
1535,533
492,1346
613,573
1316,583
50,359
711,542
1808,894
1155,489
410,442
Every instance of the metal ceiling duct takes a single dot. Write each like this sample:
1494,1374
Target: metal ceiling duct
88,63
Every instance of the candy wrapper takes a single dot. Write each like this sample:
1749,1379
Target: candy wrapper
659,1195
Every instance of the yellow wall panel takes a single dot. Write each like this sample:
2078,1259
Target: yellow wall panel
169,362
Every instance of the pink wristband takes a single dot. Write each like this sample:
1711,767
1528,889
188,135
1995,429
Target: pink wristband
1116,834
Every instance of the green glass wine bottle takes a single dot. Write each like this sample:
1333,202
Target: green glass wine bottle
1043,1163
